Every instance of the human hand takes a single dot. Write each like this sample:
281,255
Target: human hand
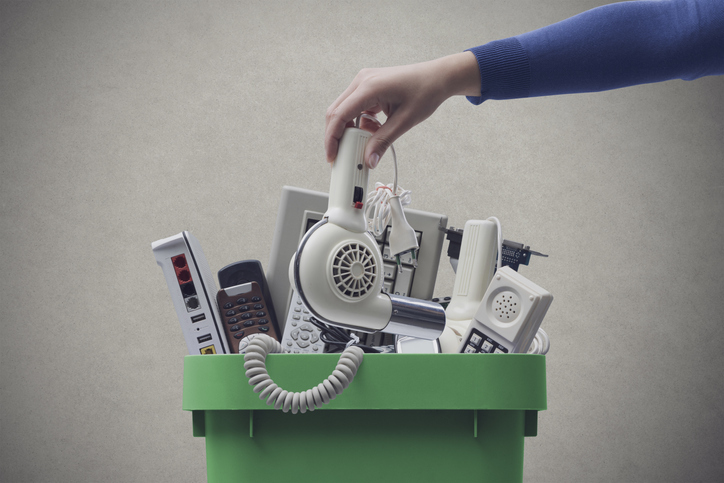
407,95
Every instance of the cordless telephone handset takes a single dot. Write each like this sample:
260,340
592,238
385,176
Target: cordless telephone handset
245,304
509,316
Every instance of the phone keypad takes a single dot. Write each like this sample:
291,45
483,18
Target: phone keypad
479,343
245,316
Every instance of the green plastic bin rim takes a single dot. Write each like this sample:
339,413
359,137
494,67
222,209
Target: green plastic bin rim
383,381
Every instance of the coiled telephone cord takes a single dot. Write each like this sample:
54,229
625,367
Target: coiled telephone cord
330,388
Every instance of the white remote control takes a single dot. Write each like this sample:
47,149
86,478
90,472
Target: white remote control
300,335
508,318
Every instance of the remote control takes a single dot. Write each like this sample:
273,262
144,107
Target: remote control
245,312
300,335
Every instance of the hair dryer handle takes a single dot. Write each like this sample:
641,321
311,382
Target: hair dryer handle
348,186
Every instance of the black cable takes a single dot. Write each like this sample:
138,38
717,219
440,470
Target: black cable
337,339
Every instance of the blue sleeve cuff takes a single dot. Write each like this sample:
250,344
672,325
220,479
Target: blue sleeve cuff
504,70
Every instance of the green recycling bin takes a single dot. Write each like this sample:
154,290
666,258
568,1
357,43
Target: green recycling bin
405,417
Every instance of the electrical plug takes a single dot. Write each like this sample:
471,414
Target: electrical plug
403,238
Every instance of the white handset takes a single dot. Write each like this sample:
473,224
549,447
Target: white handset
509,315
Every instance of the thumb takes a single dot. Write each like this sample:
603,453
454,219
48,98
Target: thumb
381,140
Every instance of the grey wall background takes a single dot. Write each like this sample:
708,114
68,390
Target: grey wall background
125,122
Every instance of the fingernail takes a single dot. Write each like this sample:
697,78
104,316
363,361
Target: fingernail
374,159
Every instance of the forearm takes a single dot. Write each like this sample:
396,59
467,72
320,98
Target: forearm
605,48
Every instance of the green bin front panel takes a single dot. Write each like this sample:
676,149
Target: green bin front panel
405,417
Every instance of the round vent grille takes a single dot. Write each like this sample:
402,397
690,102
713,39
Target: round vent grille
353,270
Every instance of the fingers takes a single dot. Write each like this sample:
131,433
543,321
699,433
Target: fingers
335,124
339,117
383,138
351,88
368,124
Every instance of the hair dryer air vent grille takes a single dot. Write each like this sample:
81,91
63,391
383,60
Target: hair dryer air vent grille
354,270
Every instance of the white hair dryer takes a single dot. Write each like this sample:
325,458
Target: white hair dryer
337,269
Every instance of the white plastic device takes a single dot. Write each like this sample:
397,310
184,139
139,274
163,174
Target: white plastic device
476,266
300,335
337,269
300,209
412,345
193,292
509,315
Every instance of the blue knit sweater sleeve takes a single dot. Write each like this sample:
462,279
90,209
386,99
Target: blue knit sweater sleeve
613,46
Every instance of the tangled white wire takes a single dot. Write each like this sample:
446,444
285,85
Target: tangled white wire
541,343
330,388
378,210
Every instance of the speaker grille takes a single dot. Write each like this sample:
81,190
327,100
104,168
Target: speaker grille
354,270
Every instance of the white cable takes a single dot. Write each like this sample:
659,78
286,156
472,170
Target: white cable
541,343
392,146
500,240
354,340
378,212
330,388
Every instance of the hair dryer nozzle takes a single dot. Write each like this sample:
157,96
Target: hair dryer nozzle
416,318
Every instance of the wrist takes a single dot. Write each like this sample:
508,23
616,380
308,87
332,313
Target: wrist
461,74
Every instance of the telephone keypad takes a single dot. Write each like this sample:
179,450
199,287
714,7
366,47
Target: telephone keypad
479,343
240,315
